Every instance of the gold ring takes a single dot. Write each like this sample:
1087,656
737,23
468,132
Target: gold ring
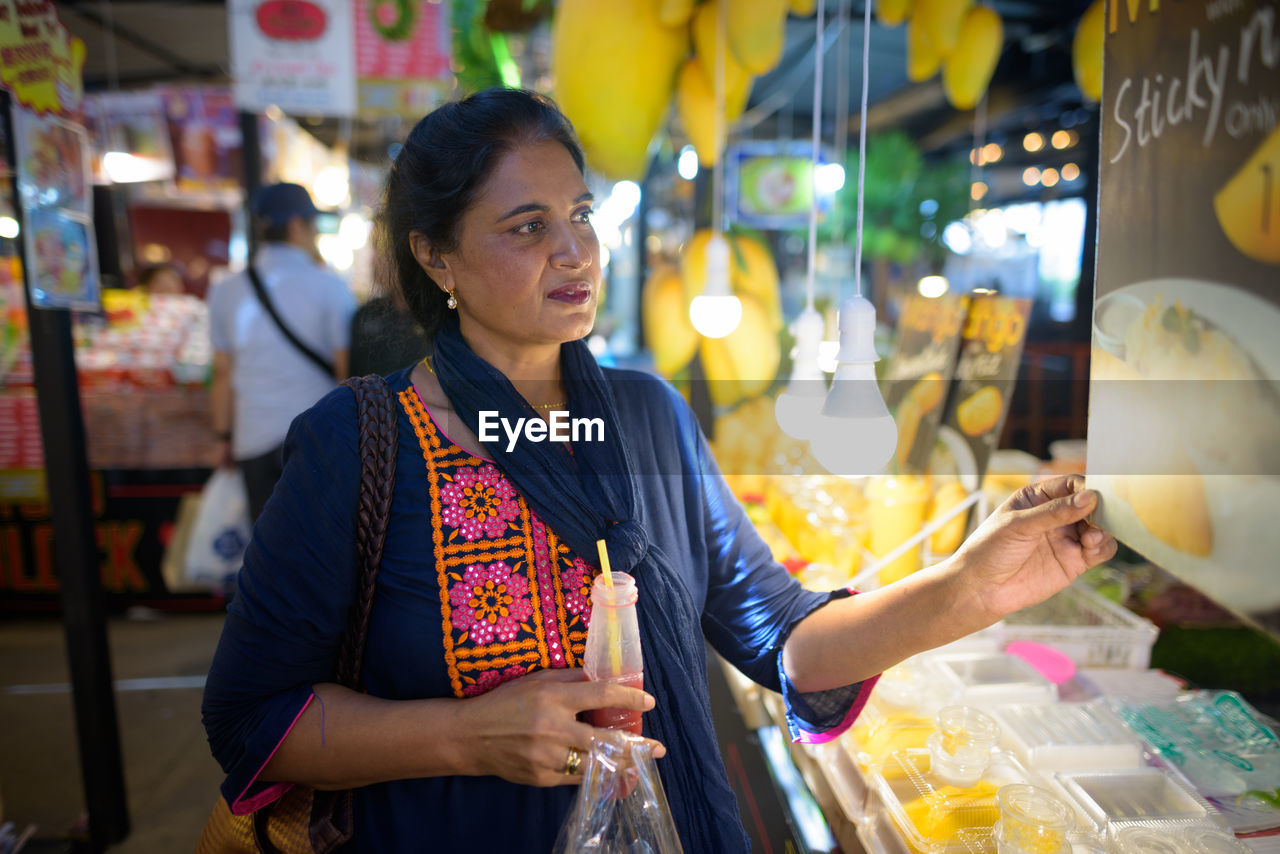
573,762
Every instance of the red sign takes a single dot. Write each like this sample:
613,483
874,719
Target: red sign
291,20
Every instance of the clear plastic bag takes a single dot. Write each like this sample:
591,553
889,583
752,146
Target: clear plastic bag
621,807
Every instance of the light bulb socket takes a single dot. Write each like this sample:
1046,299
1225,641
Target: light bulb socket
717,267
806,372
857,331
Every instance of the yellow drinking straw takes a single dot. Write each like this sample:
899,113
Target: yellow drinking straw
610,616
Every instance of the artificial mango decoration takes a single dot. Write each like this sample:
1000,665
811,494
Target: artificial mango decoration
891,13
756,31
967,70
668,332
626,43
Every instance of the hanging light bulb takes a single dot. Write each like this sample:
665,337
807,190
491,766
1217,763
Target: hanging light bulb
855,434
716,312
800,403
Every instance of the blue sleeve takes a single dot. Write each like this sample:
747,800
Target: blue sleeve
753,604
292,596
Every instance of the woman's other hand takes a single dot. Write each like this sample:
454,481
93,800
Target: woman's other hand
1033,545
524,730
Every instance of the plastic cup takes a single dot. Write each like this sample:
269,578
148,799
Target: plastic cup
895,512
1032,821
960,750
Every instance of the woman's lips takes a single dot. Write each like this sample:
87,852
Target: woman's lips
577,294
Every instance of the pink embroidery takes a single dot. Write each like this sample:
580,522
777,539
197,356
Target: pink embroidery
576,583
491,679
490,602
542,563
479,502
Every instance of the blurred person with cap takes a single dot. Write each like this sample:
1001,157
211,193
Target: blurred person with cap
280,332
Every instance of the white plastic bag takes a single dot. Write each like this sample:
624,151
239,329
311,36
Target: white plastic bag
621,807
220,533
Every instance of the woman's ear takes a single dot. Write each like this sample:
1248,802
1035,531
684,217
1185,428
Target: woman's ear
431,261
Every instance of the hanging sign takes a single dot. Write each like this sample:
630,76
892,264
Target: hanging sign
1185,370
297,55
919,373
403,56
991,343
40,63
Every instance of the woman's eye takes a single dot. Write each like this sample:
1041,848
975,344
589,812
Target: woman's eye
532,227
584,215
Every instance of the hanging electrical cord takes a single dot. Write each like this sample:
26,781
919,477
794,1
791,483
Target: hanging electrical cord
716,312
862,143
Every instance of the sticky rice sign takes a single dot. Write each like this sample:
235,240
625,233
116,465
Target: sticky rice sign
297,55
40,63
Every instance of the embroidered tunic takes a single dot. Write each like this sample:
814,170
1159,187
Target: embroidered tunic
474,590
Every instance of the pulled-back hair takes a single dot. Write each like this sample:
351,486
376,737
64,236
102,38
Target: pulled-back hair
445,160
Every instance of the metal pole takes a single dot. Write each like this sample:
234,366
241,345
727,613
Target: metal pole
75,554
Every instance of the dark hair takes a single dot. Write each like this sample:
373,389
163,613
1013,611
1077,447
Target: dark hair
444,161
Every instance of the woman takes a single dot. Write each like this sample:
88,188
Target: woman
467,733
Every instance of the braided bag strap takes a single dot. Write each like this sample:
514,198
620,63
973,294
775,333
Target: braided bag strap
378,445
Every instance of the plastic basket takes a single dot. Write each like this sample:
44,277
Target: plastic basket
1087,627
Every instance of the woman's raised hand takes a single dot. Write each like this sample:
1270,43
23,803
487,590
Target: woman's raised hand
527,730
1033,545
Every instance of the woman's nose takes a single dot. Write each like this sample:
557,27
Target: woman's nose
573,249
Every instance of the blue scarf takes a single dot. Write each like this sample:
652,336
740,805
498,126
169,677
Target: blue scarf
590,495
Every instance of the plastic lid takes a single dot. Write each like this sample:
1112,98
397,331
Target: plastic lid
1145,840
1203,839
1053,665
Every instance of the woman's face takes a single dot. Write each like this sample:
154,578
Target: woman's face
526,270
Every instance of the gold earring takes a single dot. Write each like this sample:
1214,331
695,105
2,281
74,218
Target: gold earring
452,302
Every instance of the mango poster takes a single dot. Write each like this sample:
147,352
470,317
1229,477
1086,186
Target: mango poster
1184,422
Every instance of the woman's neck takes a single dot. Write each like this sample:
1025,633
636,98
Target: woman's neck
534,371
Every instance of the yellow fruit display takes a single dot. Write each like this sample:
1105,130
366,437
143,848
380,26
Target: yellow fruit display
947,539
891,13
756,30
980,411
752,271
737,79
1248,205
802,8
675,13
696,107
923,58
743,363
967,71
1086,51
939,22
941,815
667,330
625,43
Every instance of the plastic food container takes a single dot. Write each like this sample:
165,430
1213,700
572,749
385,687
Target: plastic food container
935,817
942,798
1086,626
1068,737
1106,801
978,679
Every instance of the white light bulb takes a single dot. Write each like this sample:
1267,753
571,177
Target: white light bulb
716,312
798,407
855,435
331,186
715,317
